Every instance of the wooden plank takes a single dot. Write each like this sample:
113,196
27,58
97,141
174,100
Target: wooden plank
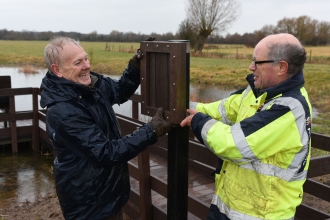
15,91
199,152
320,141
317,189
306,212
16,116
198,207
145,186
35,141
319,166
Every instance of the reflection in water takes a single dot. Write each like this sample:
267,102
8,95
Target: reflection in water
24,177
26,189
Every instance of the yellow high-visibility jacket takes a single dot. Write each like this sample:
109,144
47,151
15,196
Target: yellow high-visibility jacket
263,137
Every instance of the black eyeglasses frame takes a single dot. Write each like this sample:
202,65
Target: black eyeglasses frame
262,61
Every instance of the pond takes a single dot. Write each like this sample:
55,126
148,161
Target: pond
24,177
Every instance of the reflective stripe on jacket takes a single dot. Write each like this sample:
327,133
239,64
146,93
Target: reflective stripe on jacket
264,139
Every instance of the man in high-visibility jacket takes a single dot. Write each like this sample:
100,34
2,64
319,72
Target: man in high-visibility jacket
262,135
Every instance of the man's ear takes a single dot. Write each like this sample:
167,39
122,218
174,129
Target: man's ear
56,70
283,67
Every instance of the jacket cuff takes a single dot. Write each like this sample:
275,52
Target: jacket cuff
197,124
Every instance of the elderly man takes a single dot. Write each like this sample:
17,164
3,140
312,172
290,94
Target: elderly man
90,169
261,134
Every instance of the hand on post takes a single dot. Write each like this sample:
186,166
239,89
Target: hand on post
135,61
160,124
187,120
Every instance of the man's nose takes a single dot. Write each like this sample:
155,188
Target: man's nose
252,66
87,64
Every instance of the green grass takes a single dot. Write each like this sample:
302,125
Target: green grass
207,69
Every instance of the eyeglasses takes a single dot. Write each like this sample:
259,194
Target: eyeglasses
262,61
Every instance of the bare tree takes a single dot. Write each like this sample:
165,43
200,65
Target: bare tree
208,16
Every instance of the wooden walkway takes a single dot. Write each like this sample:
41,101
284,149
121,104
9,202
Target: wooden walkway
200,186
200,181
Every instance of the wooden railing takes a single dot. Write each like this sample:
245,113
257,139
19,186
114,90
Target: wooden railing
201,160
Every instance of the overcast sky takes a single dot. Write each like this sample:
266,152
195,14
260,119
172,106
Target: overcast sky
143,16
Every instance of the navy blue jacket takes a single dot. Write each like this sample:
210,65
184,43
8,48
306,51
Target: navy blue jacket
90,169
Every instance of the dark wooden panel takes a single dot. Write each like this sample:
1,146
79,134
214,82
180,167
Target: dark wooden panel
320,141
308,213
199,152
42,116
198,207
319,166
163,79
5,82
17,116
161,84
317,189
16,91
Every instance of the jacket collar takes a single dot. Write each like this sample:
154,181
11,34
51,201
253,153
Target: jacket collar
296,81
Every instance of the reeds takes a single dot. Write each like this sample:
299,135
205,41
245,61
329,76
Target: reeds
28,69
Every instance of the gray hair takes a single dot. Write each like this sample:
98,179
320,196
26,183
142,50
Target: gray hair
53,48
293,54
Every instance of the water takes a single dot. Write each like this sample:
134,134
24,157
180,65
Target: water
24,177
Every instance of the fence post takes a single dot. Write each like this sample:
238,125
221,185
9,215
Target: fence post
35,121
165,83
178,144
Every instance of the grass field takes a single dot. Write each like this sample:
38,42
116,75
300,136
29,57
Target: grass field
217,66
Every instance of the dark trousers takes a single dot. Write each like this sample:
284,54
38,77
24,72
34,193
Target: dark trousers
215,214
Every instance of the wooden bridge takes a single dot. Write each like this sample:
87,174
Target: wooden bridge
149,171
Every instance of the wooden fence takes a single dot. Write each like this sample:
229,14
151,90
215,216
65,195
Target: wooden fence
140,205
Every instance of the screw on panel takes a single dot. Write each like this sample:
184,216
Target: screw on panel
147,45
174,109
168,45
156,45
173,84
173,56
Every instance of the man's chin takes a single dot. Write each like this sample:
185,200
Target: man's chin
85,82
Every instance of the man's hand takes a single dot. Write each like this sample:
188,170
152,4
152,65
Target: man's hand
135,61
159,123
187,120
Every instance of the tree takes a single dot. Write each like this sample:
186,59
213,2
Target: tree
208,16
186,32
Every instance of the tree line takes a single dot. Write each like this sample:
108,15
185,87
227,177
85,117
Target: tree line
309,31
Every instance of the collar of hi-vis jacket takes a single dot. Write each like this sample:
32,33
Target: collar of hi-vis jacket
296,81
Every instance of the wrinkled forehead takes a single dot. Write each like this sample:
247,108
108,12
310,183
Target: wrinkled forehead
71,51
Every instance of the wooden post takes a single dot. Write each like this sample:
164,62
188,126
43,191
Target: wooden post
35,121
165,83
178,144
12,111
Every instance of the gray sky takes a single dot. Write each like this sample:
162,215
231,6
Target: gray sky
143,16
